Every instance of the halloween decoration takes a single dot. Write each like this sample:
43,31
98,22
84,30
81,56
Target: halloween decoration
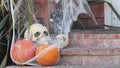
47,54
67,11
36,32
22,51
62,39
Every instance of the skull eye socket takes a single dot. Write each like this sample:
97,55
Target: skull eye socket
36,34
46,33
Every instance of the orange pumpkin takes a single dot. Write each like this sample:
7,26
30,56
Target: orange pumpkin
47,55
22,51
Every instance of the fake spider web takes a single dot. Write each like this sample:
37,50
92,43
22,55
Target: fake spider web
67,11
62,14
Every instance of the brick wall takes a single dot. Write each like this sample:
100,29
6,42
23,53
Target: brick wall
98,11
42,12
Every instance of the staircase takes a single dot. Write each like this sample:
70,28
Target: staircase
88,49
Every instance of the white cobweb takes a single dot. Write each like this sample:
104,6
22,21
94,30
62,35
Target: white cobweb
63,13
67,11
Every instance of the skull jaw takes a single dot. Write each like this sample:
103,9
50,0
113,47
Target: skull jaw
63,40
64,44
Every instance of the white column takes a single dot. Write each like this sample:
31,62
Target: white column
110,17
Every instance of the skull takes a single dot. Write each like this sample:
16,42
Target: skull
62,39
36,32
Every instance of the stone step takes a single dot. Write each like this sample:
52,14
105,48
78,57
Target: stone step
78,55
75,57
96,31
77,36
89,39
93,34
70,66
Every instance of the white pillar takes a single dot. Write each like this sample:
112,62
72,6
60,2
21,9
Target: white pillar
110,17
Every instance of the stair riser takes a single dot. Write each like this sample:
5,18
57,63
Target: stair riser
90,52
68,60
94,40
92,43
77,36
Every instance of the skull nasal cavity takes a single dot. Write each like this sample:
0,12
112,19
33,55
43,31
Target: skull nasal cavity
36,34
46,33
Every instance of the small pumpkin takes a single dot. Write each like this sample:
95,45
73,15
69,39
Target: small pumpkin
22,51
47,55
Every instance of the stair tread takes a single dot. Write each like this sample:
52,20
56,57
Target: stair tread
71,66
97,31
